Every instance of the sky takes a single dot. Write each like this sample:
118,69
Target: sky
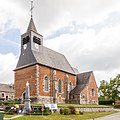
87,32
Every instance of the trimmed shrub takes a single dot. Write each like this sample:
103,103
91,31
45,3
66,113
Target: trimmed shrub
76,112
72,109
8,108
81,113
106,102
61,111
117,106
66,111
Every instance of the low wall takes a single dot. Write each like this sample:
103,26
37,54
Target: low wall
103,109
84,109
94,109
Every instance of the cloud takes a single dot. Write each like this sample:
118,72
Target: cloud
91,50
85,31
7,65
50,16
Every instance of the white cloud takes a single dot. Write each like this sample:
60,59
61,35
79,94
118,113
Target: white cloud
92,43
88,50
7,65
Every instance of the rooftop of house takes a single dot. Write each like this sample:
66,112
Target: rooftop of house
6,88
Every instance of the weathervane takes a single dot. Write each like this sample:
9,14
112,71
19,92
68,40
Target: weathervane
31,9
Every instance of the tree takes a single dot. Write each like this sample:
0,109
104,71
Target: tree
103,90
111,90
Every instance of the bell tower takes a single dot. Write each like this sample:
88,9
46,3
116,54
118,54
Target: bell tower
31,41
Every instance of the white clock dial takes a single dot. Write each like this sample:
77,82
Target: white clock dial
36,46
25,46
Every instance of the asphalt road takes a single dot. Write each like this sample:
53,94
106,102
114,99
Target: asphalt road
115,116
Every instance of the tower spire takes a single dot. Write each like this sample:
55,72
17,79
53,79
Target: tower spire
31,9
31,26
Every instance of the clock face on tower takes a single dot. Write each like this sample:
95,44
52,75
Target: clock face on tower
25,46
36,46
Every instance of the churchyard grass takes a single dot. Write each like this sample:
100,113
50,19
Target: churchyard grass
75,105
57,116
81,105
8,116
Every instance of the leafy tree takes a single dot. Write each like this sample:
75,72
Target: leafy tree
103,90
111,90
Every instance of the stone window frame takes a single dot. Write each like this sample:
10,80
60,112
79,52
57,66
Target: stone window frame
59,90
48,84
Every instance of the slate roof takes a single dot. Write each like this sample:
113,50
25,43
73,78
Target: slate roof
75,70
31,26
82,81
52,59
6,88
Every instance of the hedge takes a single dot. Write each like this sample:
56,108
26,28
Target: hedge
106,102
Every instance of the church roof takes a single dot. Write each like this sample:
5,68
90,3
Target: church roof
75,70
46,57
31,26
82,81
6,88
52,59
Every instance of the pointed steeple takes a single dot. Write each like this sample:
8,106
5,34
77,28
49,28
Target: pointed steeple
31,26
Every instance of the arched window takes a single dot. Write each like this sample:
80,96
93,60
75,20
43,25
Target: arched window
59,86
46,83
92,92
70,86
2,94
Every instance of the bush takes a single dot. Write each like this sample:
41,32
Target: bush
76,112
106,102
72,109
61,111
8,108
47,110
117,106
81,113
66,111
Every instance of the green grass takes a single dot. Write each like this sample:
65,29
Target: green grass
85,116
82,105
75,105
8,116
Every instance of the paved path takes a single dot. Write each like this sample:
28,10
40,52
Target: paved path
115,116
13,117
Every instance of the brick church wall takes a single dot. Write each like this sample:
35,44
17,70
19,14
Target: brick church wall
21,77
86,96
30,74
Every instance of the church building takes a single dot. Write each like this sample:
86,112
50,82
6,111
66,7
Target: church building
50,76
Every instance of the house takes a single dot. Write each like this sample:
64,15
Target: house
6,92
48,72
85,91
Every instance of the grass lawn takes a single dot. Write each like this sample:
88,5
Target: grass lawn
56,116
8,116
75,105
81,105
